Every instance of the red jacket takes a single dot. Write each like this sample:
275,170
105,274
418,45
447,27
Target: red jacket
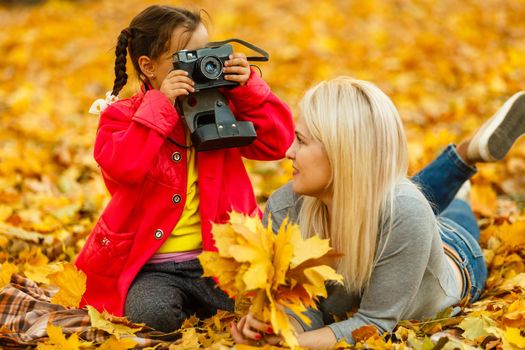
146,176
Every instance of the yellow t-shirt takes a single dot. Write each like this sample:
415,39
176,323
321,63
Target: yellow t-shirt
187,233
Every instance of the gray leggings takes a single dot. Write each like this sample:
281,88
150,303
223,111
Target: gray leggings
163,295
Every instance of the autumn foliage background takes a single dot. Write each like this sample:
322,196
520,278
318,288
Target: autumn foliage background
447,65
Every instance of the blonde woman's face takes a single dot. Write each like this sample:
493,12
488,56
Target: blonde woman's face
311,168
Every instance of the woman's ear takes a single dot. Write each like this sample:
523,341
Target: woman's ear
147,66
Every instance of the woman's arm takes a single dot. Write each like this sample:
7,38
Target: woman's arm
322,338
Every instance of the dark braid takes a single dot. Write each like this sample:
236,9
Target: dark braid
120,62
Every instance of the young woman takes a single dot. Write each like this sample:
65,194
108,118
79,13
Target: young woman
141,258
410,247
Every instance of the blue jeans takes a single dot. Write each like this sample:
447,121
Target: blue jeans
439,182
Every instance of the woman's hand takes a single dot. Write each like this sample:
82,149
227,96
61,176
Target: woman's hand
253,332
237,68
177,83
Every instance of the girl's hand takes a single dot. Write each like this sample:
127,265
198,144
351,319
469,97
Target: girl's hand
237,68
253,332
177,83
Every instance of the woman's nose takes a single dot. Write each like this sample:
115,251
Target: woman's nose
290,153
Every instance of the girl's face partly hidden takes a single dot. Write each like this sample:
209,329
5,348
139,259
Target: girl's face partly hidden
311,167
164,64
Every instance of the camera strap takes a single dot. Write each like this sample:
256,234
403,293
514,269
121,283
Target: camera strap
265,56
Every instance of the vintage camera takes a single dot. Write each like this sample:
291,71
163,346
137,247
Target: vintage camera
205,66
207,113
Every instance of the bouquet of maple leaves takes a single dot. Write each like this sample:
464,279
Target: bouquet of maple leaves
274,271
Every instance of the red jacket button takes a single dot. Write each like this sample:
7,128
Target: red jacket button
158,234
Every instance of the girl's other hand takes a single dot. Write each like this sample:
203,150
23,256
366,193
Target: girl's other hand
237,68
177,83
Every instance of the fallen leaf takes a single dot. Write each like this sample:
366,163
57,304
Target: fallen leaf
72,285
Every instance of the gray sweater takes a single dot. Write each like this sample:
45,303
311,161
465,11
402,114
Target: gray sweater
411,280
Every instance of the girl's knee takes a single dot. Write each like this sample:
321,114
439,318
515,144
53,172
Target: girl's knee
161,317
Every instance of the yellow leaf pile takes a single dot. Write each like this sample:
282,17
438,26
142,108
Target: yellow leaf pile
448,65
276,271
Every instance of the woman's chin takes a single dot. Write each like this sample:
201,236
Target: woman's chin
296,186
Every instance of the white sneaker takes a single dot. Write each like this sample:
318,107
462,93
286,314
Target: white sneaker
497,135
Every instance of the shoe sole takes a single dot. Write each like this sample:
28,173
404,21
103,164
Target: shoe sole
508,125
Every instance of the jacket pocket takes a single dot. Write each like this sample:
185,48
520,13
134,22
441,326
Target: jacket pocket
108,251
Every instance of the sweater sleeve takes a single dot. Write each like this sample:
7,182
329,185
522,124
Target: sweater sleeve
282,204
128,140
271,117
398,273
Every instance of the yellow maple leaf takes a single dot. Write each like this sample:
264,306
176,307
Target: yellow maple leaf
513,336
57,340
5,212
311,248
256,276
515,315
227,238
281,323
40,273
228,271
512,234
476,326
33,256
71,283
284,251
515,281
117,326
189,341
316,277
115,343
6,272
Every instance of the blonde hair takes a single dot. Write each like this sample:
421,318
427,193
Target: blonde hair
366,146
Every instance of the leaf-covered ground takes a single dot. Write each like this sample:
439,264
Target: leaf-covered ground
447,65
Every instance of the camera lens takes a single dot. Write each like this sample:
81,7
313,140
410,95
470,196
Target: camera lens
211,67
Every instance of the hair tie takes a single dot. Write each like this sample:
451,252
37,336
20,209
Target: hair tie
127,32
100,104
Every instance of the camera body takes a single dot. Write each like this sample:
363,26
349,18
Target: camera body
205,66
206,111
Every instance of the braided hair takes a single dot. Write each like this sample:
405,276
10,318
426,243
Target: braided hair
121,77
149,34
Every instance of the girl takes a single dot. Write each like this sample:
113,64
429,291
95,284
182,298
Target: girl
140,259
350,185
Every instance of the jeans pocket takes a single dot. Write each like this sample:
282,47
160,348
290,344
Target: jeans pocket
467,243
457,236
107,251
